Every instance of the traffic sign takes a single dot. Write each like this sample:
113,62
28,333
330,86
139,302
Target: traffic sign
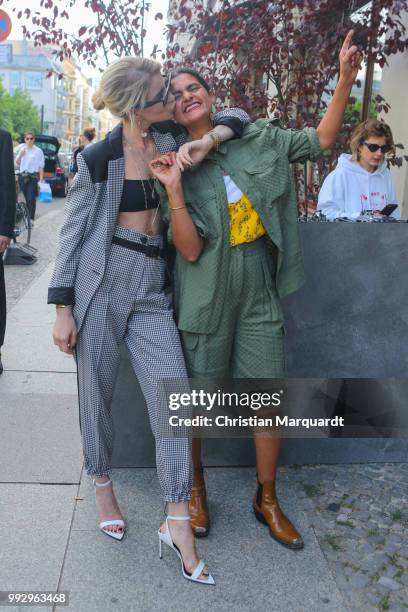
5,25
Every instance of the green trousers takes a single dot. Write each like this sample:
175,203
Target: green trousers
249,341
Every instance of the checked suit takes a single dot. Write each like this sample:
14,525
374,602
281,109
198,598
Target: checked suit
117,295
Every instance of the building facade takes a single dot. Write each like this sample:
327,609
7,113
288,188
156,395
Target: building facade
61,91
394,88
34,70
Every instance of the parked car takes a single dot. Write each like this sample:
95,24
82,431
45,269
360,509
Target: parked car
55,172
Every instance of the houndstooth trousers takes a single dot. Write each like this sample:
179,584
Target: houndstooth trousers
131,306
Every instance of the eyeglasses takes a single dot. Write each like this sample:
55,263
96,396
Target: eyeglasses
161,97
374,147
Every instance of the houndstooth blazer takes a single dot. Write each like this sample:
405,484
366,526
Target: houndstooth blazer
92,208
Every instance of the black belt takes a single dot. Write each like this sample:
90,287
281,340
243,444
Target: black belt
148,249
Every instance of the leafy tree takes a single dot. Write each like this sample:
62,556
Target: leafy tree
279,56
353,112
118,28
282,57
18,112
5,118
24,114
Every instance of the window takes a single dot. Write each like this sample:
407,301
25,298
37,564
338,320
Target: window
33,81
15,81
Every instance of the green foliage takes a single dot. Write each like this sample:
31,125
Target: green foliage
5,119
311,490
397,515
18,112
352,115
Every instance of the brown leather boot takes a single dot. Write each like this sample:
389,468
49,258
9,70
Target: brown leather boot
267,511
198,509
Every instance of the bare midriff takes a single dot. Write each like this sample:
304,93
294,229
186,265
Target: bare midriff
145,221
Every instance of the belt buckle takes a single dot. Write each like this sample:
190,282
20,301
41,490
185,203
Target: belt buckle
152,250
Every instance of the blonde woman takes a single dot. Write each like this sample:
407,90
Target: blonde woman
108,287
361,181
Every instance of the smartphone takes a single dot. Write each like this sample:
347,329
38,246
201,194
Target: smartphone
387,210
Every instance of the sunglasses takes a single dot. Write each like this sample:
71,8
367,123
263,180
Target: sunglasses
28,138
374,147
161,97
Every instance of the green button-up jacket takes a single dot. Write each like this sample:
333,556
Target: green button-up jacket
259,163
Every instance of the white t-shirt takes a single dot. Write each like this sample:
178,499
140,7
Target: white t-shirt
234,194
33,160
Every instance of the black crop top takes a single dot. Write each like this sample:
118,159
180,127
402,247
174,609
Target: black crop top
138,195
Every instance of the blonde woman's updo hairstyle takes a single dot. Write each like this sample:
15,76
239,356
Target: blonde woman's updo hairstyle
124,84
366,129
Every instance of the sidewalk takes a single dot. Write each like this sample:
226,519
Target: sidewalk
49,539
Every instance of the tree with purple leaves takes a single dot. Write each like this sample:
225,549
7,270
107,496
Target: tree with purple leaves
281,57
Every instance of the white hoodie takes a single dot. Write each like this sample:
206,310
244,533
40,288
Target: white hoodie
349,190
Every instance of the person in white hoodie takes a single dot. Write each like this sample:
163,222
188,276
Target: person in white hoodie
361,181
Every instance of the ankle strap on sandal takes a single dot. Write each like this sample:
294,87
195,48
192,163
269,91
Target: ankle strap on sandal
101,484
179,518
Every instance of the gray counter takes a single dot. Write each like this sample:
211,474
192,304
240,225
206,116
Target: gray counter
350,320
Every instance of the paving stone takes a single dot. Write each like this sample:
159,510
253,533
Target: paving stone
391,547
374,563
361,515
396,607
342,518
359,581
404,579
389,583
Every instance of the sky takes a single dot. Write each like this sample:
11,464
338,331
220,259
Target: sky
84,16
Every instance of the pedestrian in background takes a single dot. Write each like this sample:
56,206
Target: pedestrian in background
361,180
30,160
85,139
7,217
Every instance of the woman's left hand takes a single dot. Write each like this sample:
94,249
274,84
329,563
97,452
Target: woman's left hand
165,169
193,152
350,60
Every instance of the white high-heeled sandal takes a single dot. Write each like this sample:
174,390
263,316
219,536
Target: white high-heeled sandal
116,535
167,539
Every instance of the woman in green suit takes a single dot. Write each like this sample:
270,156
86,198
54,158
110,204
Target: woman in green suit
227,286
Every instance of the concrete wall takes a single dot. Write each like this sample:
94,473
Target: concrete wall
350,320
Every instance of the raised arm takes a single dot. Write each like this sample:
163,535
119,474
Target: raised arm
350,59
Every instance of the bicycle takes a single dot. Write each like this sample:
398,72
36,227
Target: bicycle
22,225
